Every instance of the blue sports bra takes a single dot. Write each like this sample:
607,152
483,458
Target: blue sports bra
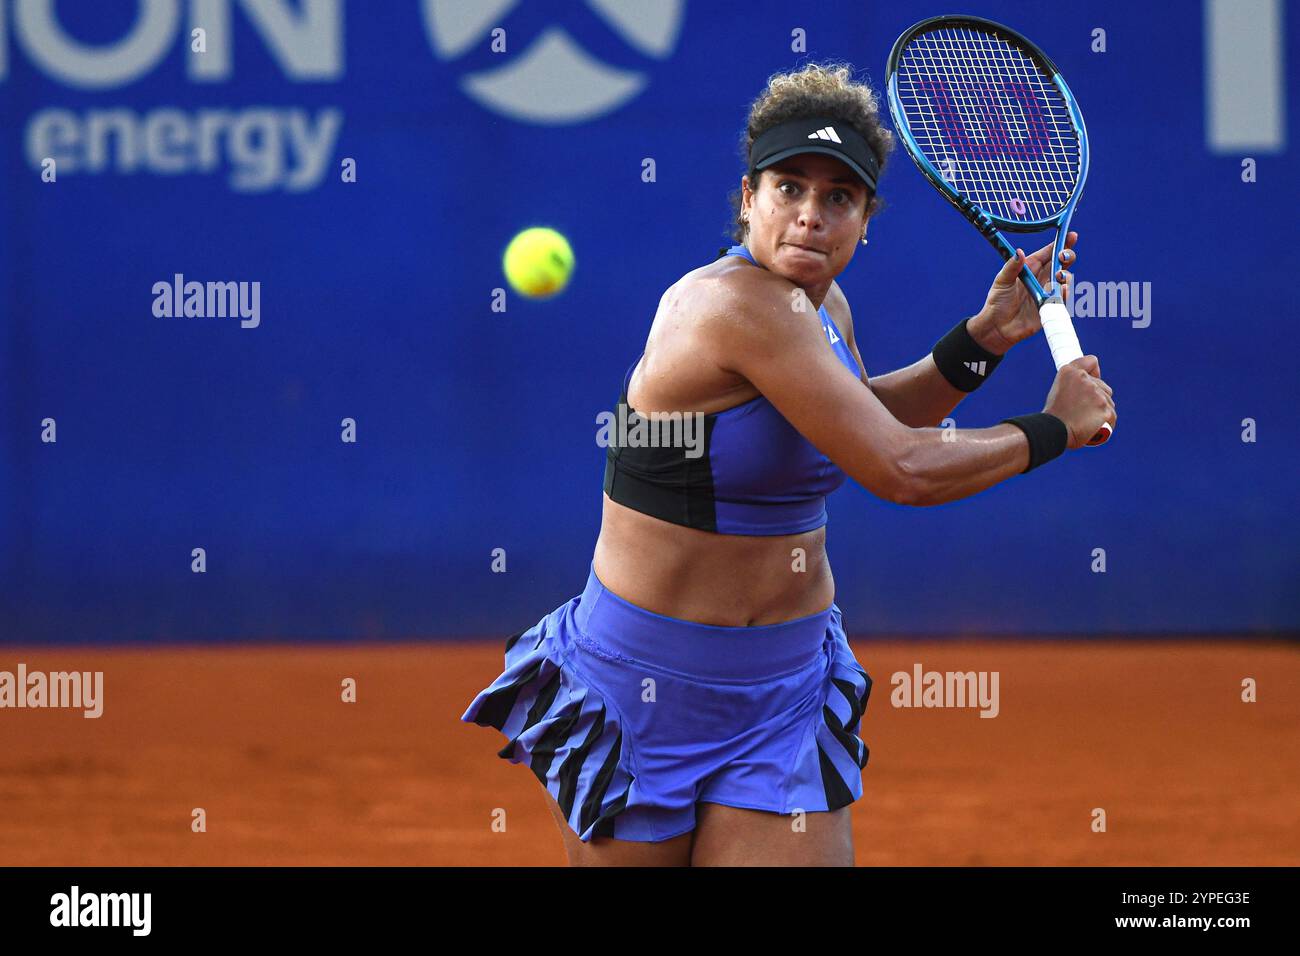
749,472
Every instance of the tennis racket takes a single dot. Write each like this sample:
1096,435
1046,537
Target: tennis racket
989,121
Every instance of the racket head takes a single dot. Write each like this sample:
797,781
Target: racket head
988,119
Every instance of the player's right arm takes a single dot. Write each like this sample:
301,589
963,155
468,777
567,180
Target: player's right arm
752,332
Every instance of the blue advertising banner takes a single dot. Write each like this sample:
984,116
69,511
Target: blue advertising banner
251,251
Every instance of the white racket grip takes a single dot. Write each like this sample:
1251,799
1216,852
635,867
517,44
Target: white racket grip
1064,343
1059,331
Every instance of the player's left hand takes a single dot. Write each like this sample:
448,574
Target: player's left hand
1010,314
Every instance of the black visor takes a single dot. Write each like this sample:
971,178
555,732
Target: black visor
825,135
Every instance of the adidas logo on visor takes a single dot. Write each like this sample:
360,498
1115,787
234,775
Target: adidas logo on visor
826,132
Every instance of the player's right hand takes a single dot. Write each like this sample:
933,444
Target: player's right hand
1081,399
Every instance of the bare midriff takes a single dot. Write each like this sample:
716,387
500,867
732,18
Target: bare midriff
724,579
730,580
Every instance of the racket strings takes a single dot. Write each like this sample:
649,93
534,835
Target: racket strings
975,119
990,121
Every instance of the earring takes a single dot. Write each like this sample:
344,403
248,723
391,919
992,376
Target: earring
864,238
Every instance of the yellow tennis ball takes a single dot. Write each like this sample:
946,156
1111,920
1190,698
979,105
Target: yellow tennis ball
538,262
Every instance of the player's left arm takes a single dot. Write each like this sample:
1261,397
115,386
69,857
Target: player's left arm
918,395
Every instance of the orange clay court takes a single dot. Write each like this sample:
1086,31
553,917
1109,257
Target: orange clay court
1153,732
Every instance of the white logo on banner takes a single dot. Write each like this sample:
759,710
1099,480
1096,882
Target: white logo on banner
553,80
1245,76
259,146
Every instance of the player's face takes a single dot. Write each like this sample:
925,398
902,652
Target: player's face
806,218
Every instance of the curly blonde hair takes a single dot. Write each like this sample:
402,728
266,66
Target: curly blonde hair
817,89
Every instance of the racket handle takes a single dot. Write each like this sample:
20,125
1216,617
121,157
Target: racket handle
1064,343
1059,331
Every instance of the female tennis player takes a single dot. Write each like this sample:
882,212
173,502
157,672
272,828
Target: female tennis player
698,703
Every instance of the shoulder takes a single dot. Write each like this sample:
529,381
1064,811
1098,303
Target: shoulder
705,320
734,292
742,308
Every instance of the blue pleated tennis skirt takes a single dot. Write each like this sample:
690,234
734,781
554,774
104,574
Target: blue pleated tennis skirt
630,718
